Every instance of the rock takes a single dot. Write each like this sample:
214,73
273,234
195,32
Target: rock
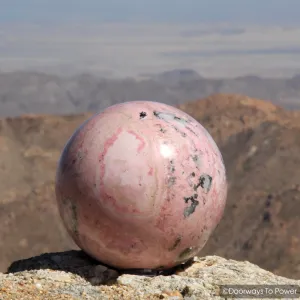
145,193
73,275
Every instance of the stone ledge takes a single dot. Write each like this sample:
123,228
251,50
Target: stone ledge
73,275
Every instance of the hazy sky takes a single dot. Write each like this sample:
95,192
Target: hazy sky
241,11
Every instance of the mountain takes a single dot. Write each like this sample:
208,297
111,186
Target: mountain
32,92
260,143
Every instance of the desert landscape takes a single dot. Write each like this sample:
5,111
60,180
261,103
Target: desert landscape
74,68
260,145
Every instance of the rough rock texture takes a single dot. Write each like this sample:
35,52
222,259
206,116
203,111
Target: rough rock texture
73,275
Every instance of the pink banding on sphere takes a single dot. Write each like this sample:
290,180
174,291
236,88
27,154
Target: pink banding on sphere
141,185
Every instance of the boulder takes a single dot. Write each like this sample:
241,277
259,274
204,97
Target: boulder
74,275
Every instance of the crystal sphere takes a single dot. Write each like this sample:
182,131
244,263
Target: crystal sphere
141,185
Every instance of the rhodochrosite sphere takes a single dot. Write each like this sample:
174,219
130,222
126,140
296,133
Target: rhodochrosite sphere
141,185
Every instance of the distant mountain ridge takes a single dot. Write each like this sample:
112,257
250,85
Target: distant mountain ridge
38,93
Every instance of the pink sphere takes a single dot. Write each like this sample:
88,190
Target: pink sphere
141,185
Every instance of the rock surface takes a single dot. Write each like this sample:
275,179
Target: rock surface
73,275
